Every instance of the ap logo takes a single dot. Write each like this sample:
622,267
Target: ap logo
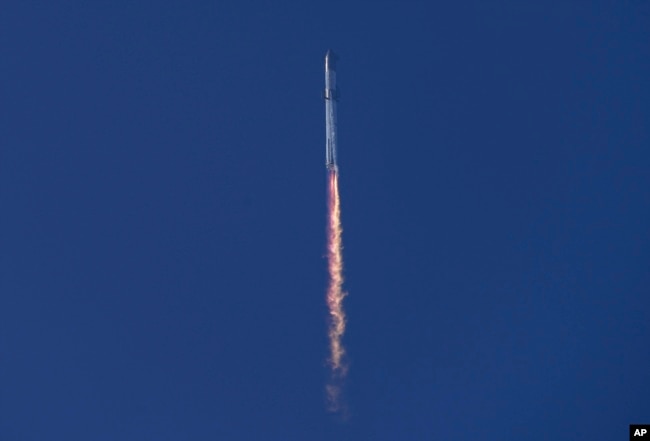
640,432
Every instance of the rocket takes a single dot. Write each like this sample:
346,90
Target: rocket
331,95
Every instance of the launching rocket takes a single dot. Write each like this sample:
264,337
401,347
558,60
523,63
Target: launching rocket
331,95
335,293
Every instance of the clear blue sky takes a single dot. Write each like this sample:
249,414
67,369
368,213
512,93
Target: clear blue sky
162,187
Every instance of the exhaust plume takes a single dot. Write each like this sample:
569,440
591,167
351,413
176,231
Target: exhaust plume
335,296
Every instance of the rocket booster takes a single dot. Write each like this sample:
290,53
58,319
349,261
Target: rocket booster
331,95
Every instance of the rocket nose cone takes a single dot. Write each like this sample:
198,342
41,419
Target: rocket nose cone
330,60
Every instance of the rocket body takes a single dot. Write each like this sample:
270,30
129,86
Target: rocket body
331,96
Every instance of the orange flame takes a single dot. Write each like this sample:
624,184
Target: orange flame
335,295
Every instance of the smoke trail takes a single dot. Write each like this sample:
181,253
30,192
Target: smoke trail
335,297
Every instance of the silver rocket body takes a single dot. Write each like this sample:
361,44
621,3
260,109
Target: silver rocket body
331,96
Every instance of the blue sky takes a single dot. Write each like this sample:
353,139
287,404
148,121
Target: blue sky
163,185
